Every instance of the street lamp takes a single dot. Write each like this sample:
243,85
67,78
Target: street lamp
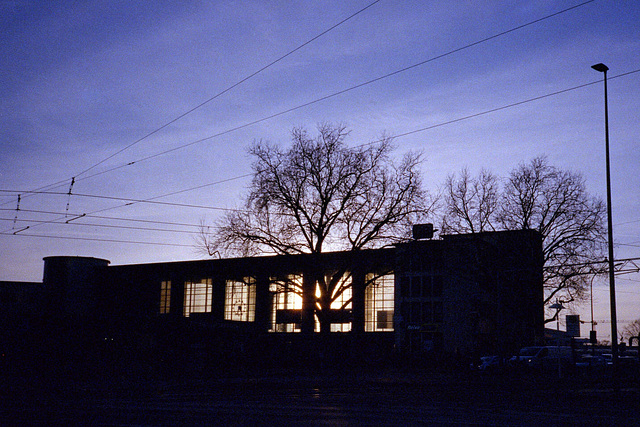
612,285
557,307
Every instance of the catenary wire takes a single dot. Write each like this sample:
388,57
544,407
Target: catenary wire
233,86
109,218
122,227
129,200
515,104
343,91
95,239
74,216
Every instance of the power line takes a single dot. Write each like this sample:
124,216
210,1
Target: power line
131,201
121,227
93,239
628,222
588,263
191,110
233,86
152,200
110,218
515,104
482,113
343,91
631,245
609,321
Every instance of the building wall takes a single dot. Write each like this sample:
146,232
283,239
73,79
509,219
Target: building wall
491,299
465,294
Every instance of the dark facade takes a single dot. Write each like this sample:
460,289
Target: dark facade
461,294
470,294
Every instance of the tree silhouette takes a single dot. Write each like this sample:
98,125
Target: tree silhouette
542,197
321,195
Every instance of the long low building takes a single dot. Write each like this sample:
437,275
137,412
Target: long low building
465,294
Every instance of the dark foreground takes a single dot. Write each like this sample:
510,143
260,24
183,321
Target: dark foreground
328,398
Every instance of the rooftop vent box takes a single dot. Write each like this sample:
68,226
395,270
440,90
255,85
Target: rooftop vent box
422,231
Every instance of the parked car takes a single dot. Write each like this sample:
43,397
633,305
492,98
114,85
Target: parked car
539,357
490,363
622,360
588,361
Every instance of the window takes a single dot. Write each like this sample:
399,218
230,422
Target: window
342,301
378,300
286,304
165,296
286,314
240,300
197,297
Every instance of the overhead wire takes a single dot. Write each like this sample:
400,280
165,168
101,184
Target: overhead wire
95,239
122,227
170,223
191,110
448,122
108,218
132,201
129,202
340,92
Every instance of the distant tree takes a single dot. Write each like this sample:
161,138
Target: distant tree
470,202
556,203
318,195
631,330
541,197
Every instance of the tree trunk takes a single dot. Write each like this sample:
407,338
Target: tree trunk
308,302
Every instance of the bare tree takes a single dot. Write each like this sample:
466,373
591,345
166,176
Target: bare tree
541,197
631,330
321,195
555,202
470,202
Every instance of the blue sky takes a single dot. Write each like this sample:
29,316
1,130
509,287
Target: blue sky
84,80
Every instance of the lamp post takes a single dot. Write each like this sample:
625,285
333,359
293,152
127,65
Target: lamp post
612,285
557,307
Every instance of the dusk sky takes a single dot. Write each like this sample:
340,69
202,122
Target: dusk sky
92,90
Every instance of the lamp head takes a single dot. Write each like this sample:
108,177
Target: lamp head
557,306
600,67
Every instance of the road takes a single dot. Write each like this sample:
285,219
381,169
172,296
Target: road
336,399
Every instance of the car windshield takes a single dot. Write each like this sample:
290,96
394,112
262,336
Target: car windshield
529,351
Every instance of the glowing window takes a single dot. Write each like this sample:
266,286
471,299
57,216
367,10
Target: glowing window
240,300
341,301
379,298
165,296
197,297
286,307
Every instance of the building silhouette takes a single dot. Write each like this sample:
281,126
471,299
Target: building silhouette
463,295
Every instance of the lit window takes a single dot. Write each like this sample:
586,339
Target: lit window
197,297
165,296
240,300
379,303
286,305
341,301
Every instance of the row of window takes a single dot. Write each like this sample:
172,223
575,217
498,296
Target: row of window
240,302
